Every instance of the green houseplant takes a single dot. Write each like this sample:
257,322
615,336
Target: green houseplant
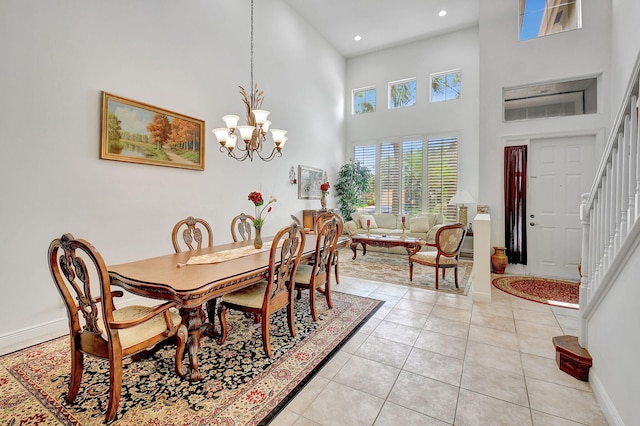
353,182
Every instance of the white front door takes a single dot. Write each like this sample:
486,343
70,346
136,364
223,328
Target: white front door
560,170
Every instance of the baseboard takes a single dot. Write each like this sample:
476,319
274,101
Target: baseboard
25,337
606,405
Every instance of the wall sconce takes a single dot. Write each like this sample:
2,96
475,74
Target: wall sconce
292,176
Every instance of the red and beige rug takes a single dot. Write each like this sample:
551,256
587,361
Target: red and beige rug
564,294
241,386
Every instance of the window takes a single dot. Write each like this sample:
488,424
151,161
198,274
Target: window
445,86
364,100
366,155
398,180
442,175
538,18
412,177
402,93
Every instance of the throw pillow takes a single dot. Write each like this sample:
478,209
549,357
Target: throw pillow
419,224
372,221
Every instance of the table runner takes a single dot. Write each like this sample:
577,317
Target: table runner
223,256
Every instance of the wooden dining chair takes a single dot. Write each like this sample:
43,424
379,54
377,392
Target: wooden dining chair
317,276
320,219
192,234
104,332
189,232
448,241
276,292
242,227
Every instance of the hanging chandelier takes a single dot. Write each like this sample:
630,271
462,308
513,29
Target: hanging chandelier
254,133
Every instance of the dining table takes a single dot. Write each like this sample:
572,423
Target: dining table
172,277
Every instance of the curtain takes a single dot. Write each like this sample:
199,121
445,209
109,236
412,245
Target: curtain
515,203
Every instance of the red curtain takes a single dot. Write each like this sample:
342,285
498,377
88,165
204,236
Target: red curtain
515,203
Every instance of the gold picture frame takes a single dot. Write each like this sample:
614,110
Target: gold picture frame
309,180
136,132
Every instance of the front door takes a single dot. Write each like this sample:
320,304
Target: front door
560,170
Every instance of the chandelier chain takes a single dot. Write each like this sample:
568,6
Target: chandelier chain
251,87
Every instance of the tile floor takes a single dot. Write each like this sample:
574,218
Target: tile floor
429,358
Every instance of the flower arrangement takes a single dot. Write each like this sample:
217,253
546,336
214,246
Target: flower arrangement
324,187
261,213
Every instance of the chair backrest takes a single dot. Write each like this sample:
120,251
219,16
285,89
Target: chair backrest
190,231
449,239
242,227
284,257
327,238
326,216
73,264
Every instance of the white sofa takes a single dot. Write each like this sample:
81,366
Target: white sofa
423,226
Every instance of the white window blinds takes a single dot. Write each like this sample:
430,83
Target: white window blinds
442,175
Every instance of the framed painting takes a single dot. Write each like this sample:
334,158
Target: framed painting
135,132
309,180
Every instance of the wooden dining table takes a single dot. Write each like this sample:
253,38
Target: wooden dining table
191,286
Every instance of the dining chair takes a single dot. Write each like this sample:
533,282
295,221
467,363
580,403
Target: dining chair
321,218
317,276
276,292
191,230
448,241
104,331
242,227
192,234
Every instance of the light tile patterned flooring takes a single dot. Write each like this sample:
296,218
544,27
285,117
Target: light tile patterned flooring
429,358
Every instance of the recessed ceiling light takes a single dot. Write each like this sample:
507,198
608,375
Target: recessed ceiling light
357,38
442,13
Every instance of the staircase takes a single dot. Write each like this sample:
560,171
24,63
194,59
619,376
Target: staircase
609,290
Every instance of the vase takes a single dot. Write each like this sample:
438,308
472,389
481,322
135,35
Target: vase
499,260
257,241
323,201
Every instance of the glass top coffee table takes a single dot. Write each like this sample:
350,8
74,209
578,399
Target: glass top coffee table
412,245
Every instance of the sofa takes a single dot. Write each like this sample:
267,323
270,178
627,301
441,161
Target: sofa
423,226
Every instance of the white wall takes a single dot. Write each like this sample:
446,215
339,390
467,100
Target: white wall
420,59
187,57
625,45
506,62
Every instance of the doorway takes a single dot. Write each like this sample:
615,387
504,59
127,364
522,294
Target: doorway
561,169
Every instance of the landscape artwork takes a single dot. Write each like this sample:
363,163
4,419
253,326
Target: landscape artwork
135,132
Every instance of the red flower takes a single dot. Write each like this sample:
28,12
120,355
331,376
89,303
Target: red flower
324,187
256,198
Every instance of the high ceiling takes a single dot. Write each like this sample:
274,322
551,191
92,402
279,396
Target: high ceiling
383,23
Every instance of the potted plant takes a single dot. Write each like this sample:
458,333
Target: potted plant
352,183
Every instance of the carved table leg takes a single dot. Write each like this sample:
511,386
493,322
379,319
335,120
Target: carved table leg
208,328
193,319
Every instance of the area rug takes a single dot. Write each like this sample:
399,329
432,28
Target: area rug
394,268
240,385
560,293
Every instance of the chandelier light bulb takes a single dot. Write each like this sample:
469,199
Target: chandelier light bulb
246,132
278,135
265,126
222,133
231,142
260,115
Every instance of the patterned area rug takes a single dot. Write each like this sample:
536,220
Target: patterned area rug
564,294
394,268
241,386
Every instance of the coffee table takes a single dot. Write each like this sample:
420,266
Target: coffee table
412,245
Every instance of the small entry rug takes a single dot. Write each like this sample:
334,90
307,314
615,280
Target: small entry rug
394,268
564,294
240,385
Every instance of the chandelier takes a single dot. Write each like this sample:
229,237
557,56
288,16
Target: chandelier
254,133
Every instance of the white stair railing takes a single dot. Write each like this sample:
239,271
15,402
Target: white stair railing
610,212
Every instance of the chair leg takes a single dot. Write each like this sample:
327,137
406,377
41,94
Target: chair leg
437,278
336,261
312,301
410,271
115,387
455,275
266,340
77,360
327,294
291,319
222,316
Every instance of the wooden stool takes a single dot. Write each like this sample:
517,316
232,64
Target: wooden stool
571,357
